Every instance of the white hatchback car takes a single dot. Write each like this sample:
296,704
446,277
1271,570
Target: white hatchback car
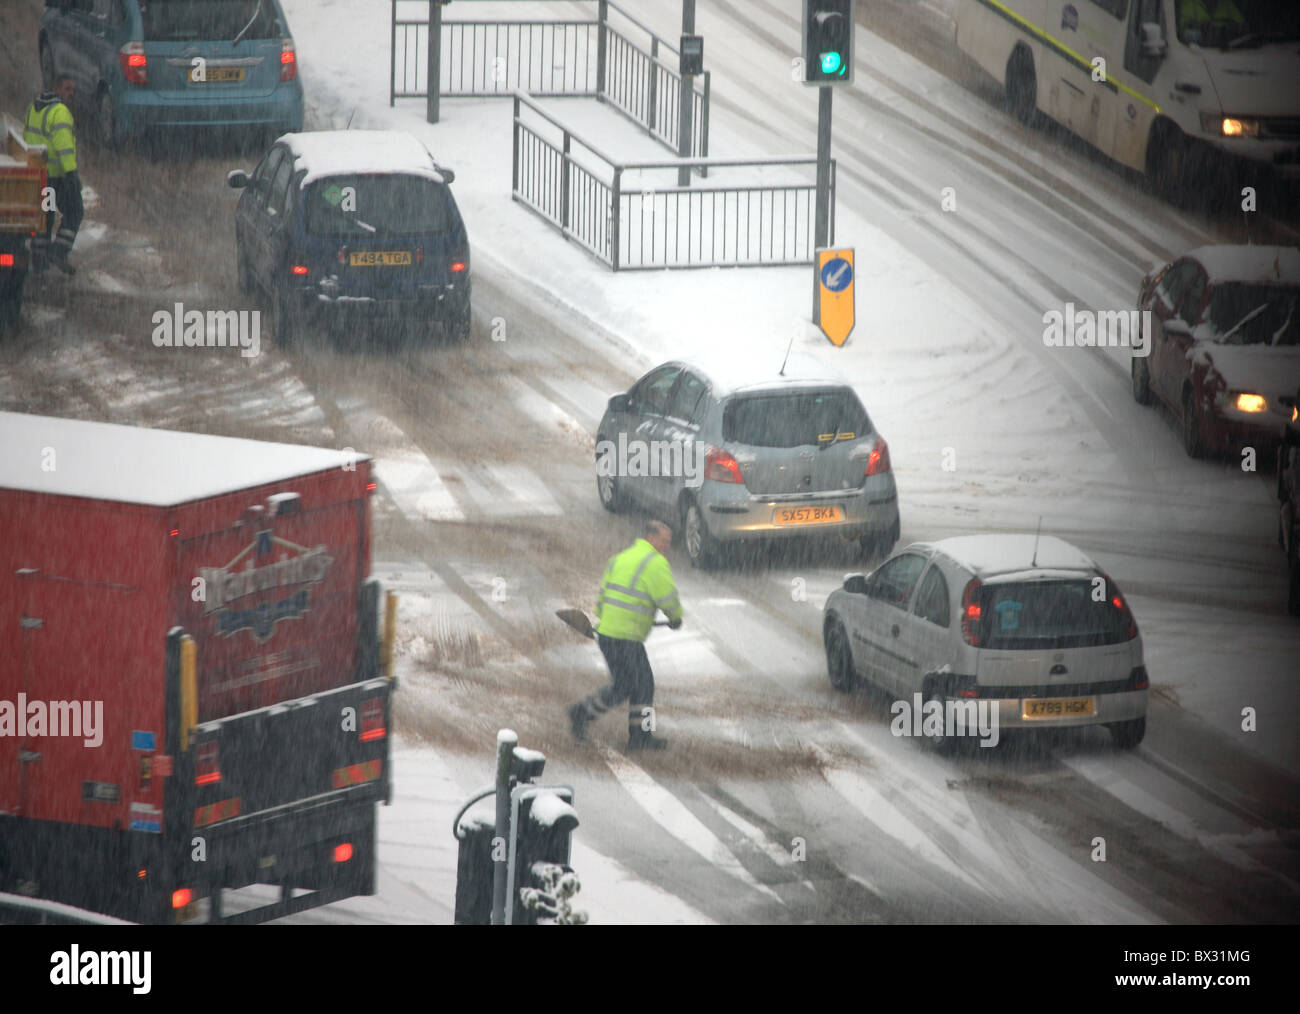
1030,625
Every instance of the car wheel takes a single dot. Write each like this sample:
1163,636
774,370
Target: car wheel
839,658
459,323
47,67
1141,380
1192,442
243,275
1128,735
1022,86
288,320
1166,161
109,130
879,545
611,496
941,744
701,547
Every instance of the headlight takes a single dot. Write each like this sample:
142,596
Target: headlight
1247,402
1229,126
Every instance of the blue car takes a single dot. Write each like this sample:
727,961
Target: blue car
352,223
164,65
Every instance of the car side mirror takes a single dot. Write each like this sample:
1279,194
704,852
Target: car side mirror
1153,39
621,403
855,584
1177,327
237,179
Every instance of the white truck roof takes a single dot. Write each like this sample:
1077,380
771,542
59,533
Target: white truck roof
132,464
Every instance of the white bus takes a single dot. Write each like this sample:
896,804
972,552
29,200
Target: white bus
1154,84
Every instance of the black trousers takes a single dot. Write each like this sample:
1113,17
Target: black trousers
633,681
67,198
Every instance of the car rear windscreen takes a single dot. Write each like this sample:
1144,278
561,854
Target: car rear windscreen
208,20
376,206
1049,614
1245,314
794,418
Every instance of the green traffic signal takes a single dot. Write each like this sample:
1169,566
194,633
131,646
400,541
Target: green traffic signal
832,63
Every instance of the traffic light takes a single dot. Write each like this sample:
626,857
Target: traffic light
541,881
828,41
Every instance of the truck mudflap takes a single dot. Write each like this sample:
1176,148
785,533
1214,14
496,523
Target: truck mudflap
285,795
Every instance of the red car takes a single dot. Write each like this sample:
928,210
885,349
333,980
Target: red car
1224,347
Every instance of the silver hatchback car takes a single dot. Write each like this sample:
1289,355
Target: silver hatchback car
736,451
1028,628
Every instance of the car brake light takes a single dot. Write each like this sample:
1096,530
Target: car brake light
208,766
878,461
721,466
342,853
6,260
1138,678
1117,602
135,66
300,270
181,897
457,267
343,255
288,60
970,613
372,720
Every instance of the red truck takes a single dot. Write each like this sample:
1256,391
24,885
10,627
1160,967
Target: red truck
194,692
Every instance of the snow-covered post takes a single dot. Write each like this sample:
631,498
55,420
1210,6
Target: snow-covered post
433,92
615,214
602,40
686,101
507,740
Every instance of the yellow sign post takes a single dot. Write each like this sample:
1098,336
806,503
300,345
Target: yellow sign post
835,294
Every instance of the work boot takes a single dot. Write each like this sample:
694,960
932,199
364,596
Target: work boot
639,740
579,716
60,258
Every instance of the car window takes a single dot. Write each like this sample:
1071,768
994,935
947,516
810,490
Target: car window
377,205
265,172
1050,614
894,581
207,20
280,185
1189,307
795,418
686,397
932,598
1173,284
1242,313
651,395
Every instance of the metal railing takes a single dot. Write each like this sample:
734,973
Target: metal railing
587,57
594,201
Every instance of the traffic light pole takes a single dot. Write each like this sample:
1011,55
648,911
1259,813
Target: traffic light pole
686,101
821,232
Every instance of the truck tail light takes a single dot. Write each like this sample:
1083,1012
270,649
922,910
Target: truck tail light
970,613
343,852
135,66
878,460
288,60
208,764
372,720
721,466
181,897
6,260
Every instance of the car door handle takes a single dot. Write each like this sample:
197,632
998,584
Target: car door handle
894,630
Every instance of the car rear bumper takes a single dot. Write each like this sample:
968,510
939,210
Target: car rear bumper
140,109
735,513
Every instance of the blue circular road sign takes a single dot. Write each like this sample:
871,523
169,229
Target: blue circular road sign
837,273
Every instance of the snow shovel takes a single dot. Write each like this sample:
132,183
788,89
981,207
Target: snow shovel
581,622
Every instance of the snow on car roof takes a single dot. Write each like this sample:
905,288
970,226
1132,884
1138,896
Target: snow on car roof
348,152
733,374
1250,263
989,555
133,464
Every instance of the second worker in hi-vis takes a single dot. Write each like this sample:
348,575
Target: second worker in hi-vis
638,583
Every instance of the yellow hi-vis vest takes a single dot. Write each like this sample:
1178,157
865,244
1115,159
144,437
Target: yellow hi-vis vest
637,582
52,126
